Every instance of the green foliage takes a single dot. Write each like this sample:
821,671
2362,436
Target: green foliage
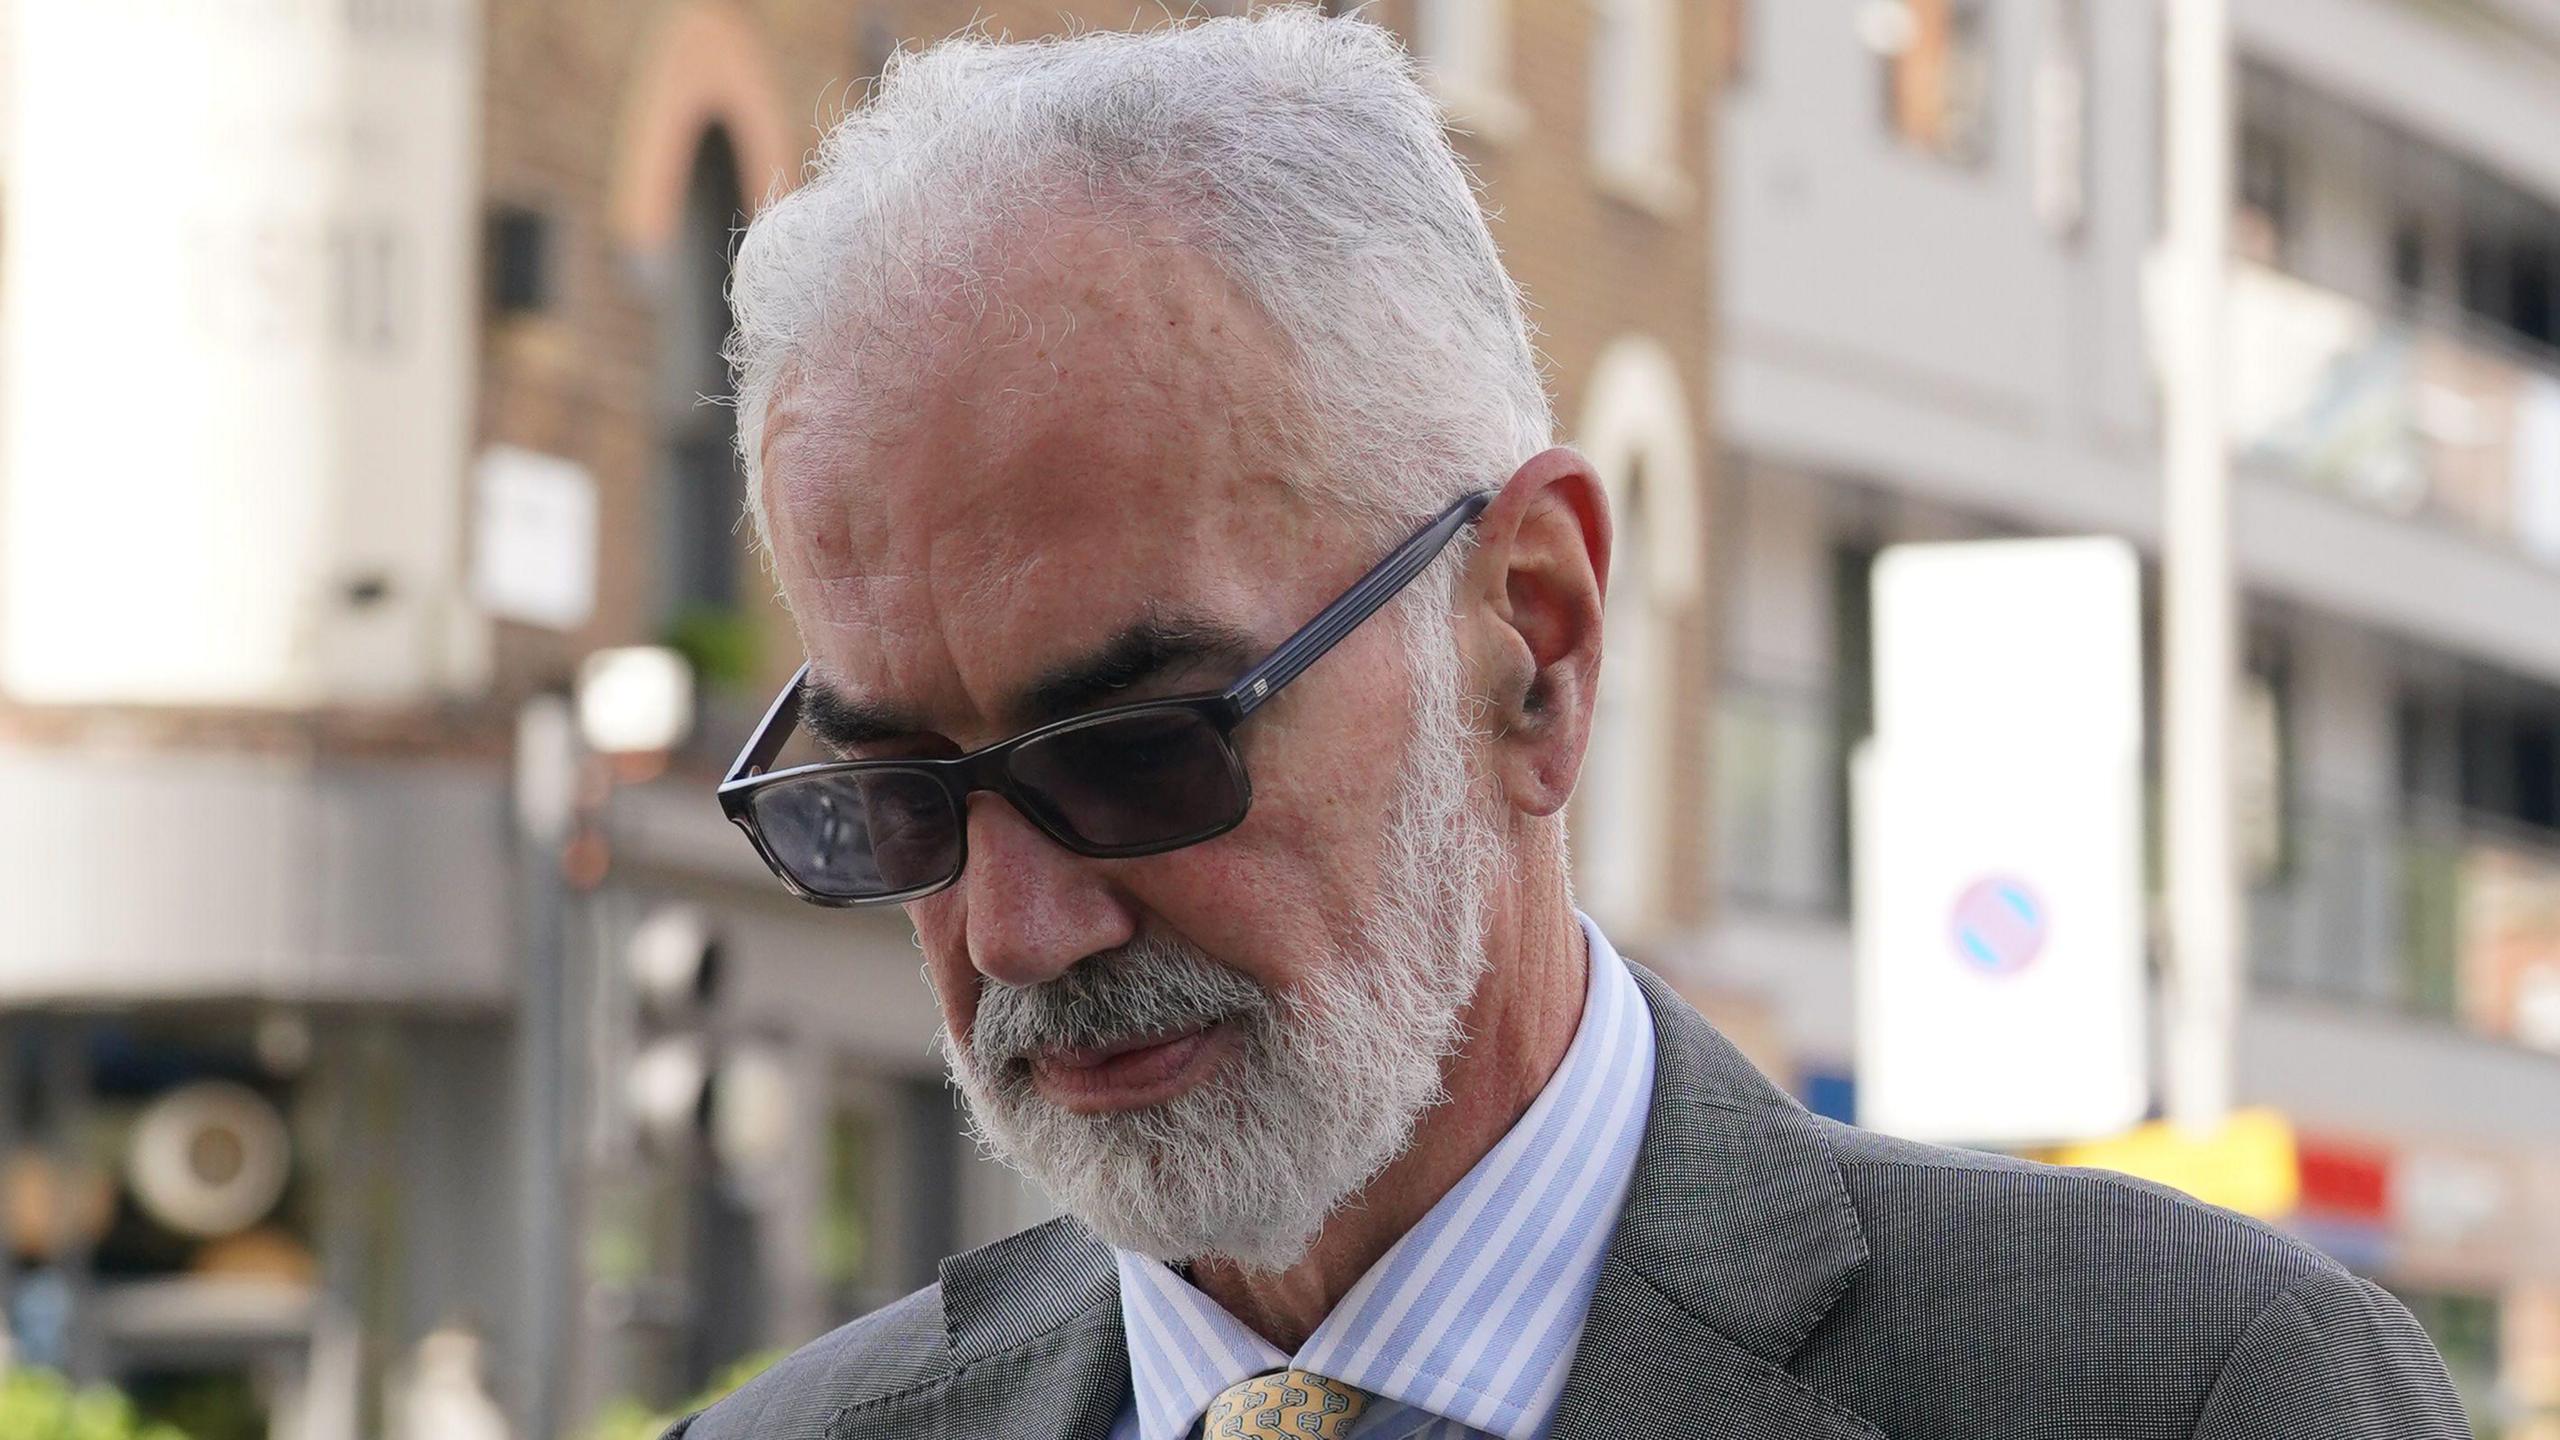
720,642
40,1405
628,1419
220,1406
844,1236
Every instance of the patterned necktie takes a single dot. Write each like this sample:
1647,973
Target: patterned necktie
1284,1405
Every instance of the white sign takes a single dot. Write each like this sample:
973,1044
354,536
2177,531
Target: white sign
2010,646
1998,870
240,303
534,541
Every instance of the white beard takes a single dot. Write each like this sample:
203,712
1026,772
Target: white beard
1328,1083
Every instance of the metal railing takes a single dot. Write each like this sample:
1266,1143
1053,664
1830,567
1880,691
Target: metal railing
2421,417
2336,919
2443,914
2449,915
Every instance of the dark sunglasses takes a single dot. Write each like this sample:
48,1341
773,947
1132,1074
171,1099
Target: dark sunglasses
1132,780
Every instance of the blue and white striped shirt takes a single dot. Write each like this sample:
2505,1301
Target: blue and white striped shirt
1467,1325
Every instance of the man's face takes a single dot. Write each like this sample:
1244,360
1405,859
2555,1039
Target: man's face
1078,501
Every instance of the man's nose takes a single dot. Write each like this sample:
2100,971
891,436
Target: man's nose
1032,907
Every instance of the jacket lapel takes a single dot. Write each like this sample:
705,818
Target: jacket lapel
1045,1304
1737,1238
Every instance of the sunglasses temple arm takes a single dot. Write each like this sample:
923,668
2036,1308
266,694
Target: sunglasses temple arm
1356,605
771,734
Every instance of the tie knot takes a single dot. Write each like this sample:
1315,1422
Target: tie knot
1284,1405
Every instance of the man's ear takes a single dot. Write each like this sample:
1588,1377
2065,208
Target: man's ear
1538,578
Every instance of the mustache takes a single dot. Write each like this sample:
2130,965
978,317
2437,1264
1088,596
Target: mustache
1147,987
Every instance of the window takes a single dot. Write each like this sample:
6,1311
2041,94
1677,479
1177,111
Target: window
2265,219
1634,92
2062,120
2510,253
702,544
2408,259
2479,779
519,260
1465,48
2507,760
2536,767
2262,766
2483,750
2533,281
1937,73
2492,229
1853,693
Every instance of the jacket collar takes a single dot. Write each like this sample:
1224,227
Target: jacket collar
1737,1238
1048,1301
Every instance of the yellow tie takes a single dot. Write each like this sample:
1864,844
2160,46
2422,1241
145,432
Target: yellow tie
1284,1405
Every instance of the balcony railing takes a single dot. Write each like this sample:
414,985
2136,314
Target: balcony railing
2414,417
2340,918
2451,916
2447,914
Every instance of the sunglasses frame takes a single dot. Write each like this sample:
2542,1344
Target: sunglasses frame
988,768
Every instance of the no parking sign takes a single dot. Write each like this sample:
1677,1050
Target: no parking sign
1997,815
1998,925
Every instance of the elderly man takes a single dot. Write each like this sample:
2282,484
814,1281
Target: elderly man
1151,451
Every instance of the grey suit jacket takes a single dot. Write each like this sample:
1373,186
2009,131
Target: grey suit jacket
1775,1276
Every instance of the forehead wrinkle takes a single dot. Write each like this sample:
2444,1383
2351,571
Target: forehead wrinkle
1072,288
947,529
1069,310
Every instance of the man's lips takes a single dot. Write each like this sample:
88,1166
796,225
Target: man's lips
1128,1073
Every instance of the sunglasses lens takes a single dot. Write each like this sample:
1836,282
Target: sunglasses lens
862,835
1150,780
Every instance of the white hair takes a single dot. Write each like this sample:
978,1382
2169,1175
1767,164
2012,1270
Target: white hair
1299,153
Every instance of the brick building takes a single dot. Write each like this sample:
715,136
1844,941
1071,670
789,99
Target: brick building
375,939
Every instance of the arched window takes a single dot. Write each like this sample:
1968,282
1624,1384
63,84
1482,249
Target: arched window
1634,86
1635,429
703,551
1617,823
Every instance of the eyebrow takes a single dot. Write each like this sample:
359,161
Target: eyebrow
1141,652
842,722
1144,650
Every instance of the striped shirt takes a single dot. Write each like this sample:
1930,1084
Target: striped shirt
1467,1325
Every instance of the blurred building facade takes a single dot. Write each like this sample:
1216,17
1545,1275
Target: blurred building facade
1932,244
311,903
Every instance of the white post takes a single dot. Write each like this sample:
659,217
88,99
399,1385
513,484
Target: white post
2202,864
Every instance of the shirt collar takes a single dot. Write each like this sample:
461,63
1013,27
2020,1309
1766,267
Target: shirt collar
1474,1313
